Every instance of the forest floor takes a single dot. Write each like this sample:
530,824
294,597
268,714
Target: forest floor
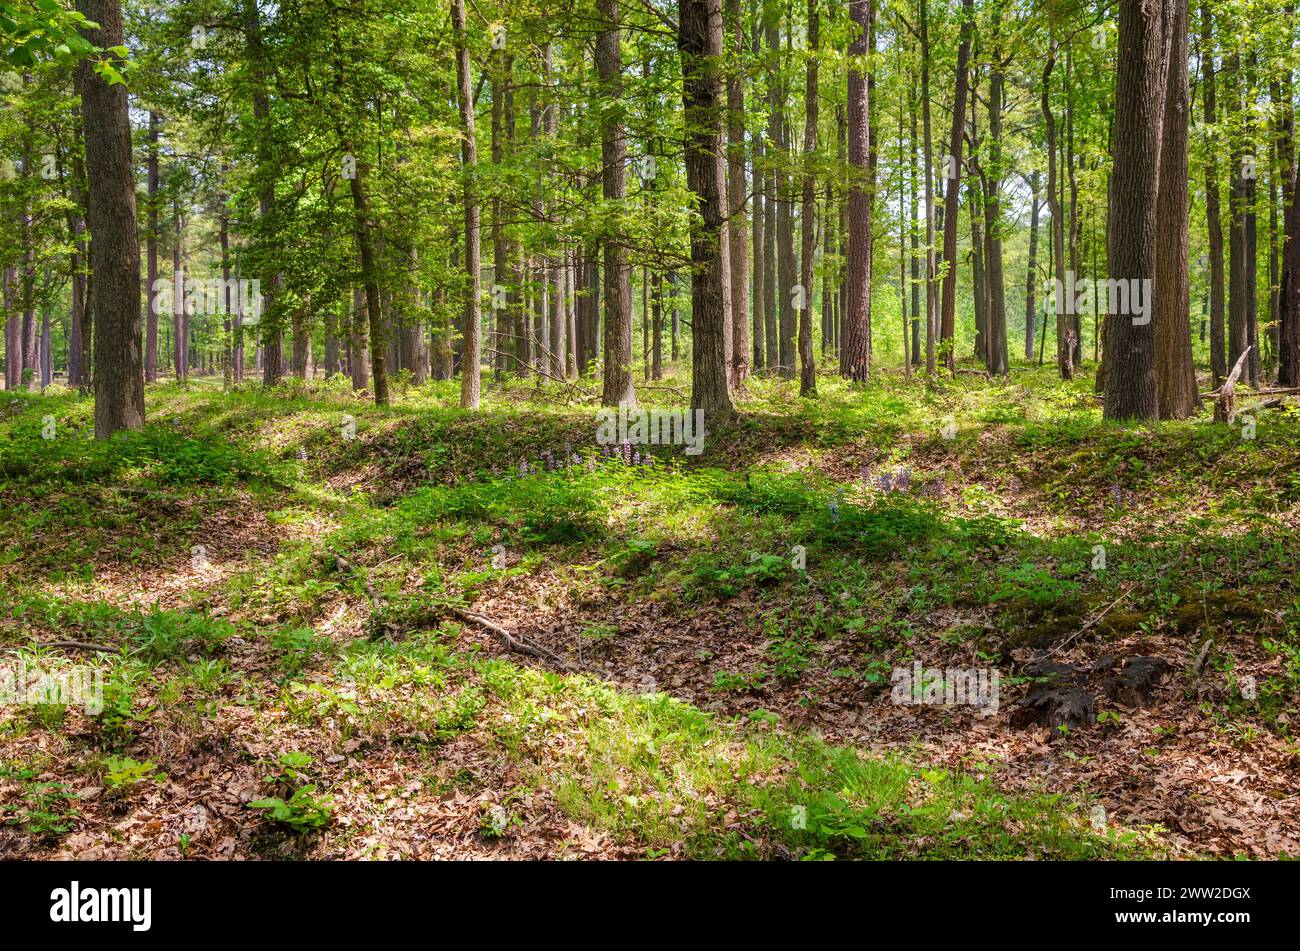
290,670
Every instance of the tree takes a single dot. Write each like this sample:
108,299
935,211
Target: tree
1140,83
618,386
1175,374
699,41
738,194
470,368
807,367
115,243
855,357
947,326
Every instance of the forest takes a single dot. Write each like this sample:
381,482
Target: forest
649,429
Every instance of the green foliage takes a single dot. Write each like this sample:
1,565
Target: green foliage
301,812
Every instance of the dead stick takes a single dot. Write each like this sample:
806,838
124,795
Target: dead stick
1081,631
515,643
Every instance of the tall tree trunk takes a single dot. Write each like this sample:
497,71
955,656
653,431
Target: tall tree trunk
225,299
657,364
759,278
771,29
1213,216
787,268
738,196
915,228
1141,78
1288,298
269,330
1072,242
151,243
115,250
1239,264
855,357
931,314
699,41
471,359
1062,299
948,317
618,387
1175,374
13,330
359,364
1031,298
807,368
994,272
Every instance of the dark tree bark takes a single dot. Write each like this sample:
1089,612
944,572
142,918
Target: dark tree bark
1240,261
471,357
738,196
269,330
13,330
759,279
787,266
948,316
1141,77
180,362
855,357
699,41
151,243
1062,303
931,313
1031,299
771,182
115,250
1213,215
1175,374
1288,298
618,387
360,365
657,363
994,272
808,238
915,229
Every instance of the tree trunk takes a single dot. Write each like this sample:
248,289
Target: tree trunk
738,195
151,243
855,357
948,317
772,357
994,272
115,250
1141,77
1175,374
1062,299
618,387
1239,262
700,44
931,327
471,358
808,237
1213,216
1031,298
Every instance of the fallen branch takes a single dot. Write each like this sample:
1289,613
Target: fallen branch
514,642
1093,623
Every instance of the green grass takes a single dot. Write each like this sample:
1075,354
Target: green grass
405,519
